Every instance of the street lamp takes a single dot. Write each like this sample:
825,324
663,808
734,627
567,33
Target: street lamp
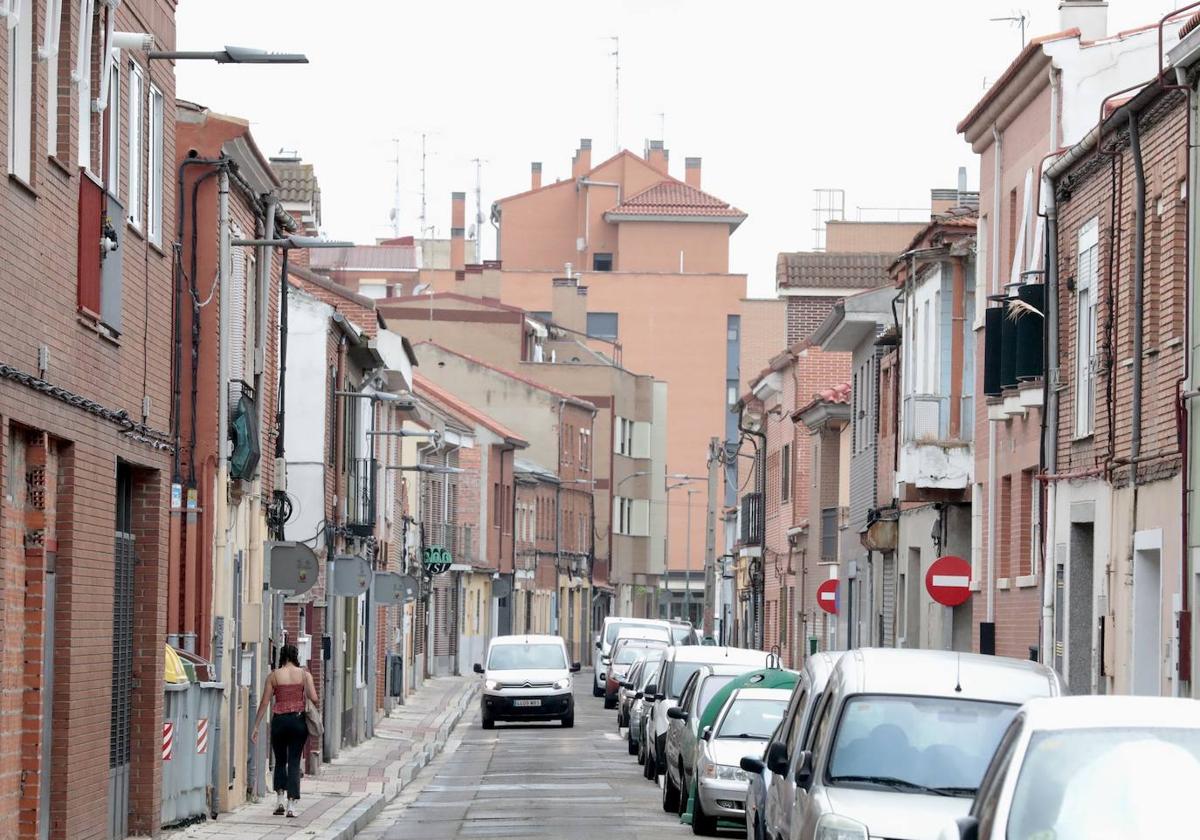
432,469
687,574
682,480
230,55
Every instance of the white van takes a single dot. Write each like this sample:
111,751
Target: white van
613,625
527,678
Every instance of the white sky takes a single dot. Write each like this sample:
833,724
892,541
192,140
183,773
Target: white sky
778,98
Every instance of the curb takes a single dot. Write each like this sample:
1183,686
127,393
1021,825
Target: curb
362,814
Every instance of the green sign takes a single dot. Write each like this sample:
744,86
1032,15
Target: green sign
437,559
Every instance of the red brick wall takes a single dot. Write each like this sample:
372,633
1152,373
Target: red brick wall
805,314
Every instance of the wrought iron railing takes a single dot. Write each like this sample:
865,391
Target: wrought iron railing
360,496
750,519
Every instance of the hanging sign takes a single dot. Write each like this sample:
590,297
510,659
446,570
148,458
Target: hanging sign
437,559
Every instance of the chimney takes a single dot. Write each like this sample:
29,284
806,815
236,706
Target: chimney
489,280
691,172
568,304
581,164
1090,17
535,175
470,280
656,155
458,212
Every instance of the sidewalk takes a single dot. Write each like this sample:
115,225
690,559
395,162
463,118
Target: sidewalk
351,790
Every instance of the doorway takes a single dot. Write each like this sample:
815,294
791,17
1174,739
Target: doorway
1147,616
1080,598
120,732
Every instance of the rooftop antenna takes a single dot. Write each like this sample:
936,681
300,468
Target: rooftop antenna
479,162
958,674
423,227
616,54
1017,17
394,215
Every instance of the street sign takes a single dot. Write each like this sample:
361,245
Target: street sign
948,580
293,566
437,559
827,596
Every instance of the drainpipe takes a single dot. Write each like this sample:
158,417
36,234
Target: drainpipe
1139,270
1049,420
1184,386
997,161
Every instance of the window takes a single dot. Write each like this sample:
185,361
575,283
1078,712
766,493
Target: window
602,262
1086,294
829,534
1004,521
984,271
1033,488
136,95
602,325
497,506
82,77
112,150
20,89
48,53
154,169
785,473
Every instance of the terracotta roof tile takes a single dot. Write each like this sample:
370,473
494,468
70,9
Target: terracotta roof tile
811,269
369,257
1189,26
298,182
675,198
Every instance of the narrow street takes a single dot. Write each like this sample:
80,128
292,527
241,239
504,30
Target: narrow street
532,780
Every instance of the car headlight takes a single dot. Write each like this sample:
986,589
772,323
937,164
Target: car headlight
833,827
491,685
563,684
722,772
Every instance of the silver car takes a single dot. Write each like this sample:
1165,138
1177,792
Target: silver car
769,797
639,711
1084,768
901,740
683,730
630,685
742,728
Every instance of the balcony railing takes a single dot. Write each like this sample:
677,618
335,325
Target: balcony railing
360,496
749,519
927,418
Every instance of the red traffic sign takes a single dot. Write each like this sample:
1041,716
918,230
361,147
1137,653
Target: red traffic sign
948,580
827,596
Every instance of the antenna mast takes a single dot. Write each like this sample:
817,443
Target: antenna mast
478,208
424,232
616,54
395,214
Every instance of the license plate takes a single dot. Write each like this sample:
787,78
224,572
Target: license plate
527,702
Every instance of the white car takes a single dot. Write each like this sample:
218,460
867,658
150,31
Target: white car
613,625
902,738
527,678
1091,768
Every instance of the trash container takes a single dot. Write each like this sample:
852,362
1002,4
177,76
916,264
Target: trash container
190,706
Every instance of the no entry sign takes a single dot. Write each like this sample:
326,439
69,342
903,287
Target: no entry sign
948,580
827,596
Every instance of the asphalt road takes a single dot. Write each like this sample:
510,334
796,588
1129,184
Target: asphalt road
534,780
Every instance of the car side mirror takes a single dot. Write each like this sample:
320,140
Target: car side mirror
706,735
597,644
478,668
638,696
804,770
650,690
753,766
575,667
676,713
968,828
658,697
604,660
777,758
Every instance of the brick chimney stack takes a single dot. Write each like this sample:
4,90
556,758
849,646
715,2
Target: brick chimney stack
691,172
568,304
581,164
656,155
458,215
535,175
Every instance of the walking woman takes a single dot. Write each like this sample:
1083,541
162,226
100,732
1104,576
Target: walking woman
287,686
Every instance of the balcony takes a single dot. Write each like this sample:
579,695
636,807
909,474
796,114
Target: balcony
927,419
360,496
750,519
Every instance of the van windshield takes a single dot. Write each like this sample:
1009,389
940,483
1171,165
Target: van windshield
939,745
610,632
527,657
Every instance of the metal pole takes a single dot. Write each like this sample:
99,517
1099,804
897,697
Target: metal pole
666,554
710,536
687,573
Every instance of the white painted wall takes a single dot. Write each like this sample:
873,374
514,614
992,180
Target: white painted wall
306,408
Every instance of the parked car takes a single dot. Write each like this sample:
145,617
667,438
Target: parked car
630,685
639,710
527,678
625,651
683,721
1072,768
679,663
608,634
743,726
770,793
682,633
901,740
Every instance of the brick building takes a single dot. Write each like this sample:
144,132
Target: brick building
85,424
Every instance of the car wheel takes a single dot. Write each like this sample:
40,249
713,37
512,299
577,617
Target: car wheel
702,823
683,793
568,720
489,722
633,748
670,797
610,702
648,764
641,752
597,691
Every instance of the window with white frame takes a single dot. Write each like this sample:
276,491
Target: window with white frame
136,96
82,79
154,169
48,52
1086,294
982,271
20,89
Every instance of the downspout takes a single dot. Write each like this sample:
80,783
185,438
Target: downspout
1182,413
1139,270
1049,451
997,174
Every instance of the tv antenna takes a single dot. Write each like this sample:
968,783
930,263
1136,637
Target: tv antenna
479,162
616,54
394,215
1016,17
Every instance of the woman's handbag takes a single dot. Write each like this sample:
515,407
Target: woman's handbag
312,717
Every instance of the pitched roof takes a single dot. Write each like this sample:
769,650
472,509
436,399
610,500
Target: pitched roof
563,182
1032,48
513,375
837,395
359,307
365,258
1192,23
670,197
429,391
819,270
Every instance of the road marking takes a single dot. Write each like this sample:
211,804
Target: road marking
959,581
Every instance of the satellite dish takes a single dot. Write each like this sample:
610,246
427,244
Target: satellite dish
351,575
294,567
393,588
